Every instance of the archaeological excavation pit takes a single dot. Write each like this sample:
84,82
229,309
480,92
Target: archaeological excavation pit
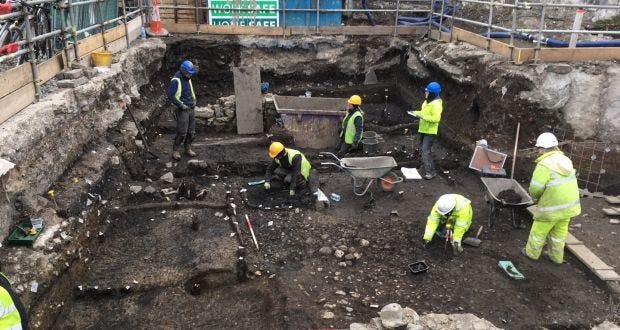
152,243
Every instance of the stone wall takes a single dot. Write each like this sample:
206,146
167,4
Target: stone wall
47,137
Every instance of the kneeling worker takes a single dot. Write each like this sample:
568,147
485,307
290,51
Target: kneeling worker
352,127
450,212
288,165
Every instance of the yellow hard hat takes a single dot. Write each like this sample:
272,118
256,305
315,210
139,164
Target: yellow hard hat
275,148
355,100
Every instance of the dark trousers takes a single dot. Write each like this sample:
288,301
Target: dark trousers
343,148
426,144
186,127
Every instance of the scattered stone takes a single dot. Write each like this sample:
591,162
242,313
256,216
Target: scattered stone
349,257
410,316
168,177
90,72
326,250
348,309
394,213
309,240
343,247
324,236
258,273
364,242
73,74
342,264
559,68
56,240
339,254
614,221
349,263
327,315
168,164
577,225
392,316
341,293
357,256
360,326
149,190
330,306
135,189
71,83
115,160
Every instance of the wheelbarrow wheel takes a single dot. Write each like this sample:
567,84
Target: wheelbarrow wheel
387,182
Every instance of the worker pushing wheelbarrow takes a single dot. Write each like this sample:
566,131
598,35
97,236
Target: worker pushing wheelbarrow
506,193
367,170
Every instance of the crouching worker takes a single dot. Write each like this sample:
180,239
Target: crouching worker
13,314
451,215
288,166
352,127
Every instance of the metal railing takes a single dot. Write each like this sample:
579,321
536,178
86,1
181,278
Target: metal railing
68,32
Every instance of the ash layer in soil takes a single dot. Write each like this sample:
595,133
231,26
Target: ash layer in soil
509,196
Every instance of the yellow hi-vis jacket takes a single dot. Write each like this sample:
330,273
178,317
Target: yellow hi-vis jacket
459,219
554,188
9,315
430,115
305,164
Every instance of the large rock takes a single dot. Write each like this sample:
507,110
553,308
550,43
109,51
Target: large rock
455,322
392,316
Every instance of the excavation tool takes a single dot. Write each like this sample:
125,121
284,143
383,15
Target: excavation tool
384,114
367,170
142,132
511,270
474,241
448,236
247,220
418,267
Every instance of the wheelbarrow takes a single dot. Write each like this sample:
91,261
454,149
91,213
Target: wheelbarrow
494,186
367,170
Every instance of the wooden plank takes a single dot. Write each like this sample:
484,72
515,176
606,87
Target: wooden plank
16,101
587,257
133,27
522,55
248,100
49,68
87,45
178,27
14,79
607,275
572,240
114,33
579,54
245,30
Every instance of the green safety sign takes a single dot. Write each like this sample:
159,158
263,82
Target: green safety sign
223,12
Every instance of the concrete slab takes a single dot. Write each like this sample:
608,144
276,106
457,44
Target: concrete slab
588,257
249,102
5,166
613,211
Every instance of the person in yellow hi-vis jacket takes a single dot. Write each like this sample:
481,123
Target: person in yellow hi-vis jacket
554,188
451,213
430,116
12,312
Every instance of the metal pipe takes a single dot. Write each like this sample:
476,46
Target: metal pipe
65,42
514,24
323,10
501,28
196,13
318,8
443,2
11,15
46,35
124,9
396,16
490,24
13,55
32,58
76,51
82,3
430,19
542,26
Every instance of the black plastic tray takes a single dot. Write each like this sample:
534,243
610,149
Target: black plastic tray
418,267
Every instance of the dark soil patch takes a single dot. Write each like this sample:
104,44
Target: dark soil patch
509,196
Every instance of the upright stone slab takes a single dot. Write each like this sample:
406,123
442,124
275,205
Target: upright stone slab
249,102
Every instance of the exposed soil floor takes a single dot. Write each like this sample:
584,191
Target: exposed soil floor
154,263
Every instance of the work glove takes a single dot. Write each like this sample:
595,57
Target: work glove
457,247
267,185
291,192
355,145
183,107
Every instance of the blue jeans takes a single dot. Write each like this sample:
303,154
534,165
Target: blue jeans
426,144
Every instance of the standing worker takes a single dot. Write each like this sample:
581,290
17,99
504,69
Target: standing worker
451,215
429,115
554,189
289,166
12,313
181,94
352,127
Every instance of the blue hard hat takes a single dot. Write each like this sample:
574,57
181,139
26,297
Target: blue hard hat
188,67
433,88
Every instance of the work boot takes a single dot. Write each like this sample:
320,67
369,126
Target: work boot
190,152
176,155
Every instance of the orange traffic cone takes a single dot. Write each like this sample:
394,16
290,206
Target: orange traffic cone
155,29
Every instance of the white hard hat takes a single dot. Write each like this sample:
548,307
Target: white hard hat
445,204
546,140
